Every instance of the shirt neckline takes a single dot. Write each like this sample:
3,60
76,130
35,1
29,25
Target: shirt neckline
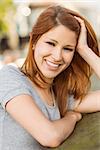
47,105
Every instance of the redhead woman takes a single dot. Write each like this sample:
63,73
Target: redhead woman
42,101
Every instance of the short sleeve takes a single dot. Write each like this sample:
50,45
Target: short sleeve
12,84
70,102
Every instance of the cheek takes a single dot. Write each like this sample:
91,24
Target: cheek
38,52
68,58
42,49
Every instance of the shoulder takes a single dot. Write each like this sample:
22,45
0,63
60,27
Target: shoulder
11,73
12,83
10,69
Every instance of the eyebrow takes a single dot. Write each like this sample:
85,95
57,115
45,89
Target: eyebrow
72,46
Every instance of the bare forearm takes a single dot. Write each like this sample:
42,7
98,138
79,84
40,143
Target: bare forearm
91,58
65,126
90,103
85,52
52,133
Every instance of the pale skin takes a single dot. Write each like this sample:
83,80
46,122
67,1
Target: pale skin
88,55
53,132
91,102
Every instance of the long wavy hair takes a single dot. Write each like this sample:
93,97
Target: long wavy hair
76,78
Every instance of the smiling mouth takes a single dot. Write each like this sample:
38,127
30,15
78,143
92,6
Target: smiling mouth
52,65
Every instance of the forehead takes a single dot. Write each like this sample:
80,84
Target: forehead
61,34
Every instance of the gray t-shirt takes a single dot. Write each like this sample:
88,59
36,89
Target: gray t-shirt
12,136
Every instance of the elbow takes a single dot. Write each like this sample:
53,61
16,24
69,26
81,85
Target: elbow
51,141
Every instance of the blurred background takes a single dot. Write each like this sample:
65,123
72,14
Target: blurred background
18,16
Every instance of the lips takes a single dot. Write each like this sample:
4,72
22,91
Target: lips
52,66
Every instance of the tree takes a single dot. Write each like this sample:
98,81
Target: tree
5,7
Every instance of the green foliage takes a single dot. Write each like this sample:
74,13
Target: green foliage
5,7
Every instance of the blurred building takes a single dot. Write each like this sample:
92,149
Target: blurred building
21,21
27,11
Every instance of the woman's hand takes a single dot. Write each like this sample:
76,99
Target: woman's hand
85,52
82,42
75,115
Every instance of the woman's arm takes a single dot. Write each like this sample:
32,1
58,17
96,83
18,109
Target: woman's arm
92,59
48,133
85,52
90,103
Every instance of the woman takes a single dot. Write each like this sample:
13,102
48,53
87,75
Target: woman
42,101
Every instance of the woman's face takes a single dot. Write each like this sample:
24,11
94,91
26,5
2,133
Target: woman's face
54,51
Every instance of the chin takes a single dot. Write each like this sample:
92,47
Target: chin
50,75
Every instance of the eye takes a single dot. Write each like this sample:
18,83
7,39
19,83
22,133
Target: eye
68,49
51,43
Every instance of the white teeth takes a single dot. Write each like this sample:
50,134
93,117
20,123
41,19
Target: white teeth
52,64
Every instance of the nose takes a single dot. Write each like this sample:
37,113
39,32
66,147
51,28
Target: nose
57,54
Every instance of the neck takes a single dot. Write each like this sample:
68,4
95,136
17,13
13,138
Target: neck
46,83
46,93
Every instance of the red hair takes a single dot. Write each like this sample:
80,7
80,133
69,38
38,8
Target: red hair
76,78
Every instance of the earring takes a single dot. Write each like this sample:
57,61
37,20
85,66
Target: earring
33,47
